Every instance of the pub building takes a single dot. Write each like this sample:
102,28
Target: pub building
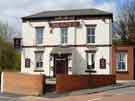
67,42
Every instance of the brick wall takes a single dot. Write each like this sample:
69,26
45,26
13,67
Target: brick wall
25,84
128,75
65,83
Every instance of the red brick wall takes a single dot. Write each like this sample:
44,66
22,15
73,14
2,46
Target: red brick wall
65,83
25,84
129,75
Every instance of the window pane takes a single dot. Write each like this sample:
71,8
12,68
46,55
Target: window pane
92,31
123,65
92,39
39,35
88,39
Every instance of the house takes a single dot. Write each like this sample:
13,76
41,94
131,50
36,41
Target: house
67,42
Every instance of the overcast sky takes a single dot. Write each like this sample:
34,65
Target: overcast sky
11,11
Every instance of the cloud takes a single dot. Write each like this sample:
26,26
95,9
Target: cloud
13,10
109,7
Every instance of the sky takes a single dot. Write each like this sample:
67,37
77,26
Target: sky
13,10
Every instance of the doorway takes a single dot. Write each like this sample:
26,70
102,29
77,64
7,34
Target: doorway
60,64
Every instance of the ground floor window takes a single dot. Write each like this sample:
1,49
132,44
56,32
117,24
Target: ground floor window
121,61
90,57
39,59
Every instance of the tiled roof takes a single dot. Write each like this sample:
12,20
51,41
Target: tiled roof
73,12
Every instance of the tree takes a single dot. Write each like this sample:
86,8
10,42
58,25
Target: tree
125,25
9,57
6,31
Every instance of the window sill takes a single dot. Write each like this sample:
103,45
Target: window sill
90,43
63,44
40,44
38,70
90,71
122,72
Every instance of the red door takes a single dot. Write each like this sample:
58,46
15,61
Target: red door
61,66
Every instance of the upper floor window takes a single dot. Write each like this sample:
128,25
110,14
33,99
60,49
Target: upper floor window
64,35
90,33
39,59
39,35
121,61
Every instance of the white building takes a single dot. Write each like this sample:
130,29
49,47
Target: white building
67,42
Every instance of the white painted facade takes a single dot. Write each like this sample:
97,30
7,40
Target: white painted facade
76,36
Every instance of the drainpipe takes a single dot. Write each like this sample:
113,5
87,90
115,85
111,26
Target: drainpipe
75,35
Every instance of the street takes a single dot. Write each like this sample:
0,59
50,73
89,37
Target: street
122,94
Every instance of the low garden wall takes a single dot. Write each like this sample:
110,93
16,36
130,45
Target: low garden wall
24,84
65,83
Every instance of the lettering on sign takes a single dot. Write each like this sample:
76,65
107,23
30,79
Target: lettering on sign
64,24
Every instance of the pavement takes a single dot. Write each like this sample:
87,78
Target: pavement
118,85
122,91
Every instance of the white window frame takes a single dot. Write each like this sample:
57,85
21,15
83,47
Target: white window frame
64,35
90,35
42,34
124,60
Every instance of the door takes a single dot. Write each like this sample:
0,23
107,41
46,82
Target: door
61,65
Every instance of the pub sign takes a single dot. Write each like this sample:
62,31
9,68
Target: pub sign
102,63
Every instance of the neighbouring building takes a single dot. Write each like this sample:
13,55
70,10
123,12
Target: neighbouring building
67,42
123,56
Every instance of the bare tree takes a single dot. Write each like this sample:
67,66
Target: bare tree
6,31
125,25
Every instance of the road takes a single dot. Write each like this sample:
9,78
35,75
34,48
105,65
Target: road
122,94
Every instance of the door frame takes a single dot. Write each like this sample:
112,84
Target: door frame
59,57
65,67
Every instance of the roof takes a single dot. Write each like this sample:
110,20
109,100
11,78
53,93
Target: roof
73,12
